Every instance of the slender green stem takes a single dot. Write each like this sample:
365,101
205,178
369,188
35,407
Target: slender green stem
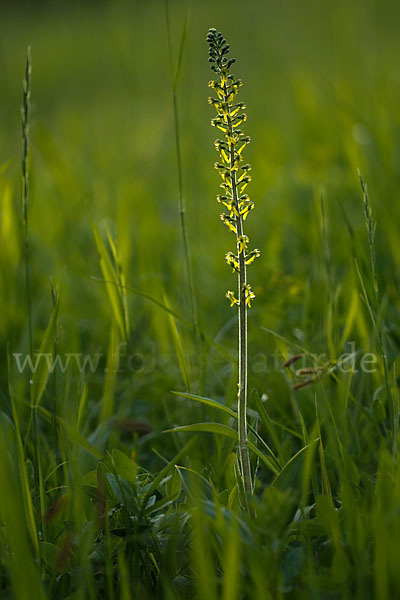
242,326
25,115
182,216
376,321
25,118
181,199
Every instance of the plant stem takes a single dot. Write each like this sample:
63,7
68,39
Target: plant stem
182,215
242,384
377,320
238,206
25,114
182,209
242,326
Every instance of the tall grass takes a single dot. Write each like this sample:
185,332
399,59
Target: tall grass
25,117
175,76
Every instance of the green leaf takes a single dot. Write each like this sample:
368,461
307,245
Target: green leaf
290,476
72,432
112,282
124,466
163,503
21,458
180,351
207,428
157,480
50,553
209,402
196,486
222,408
44,366
220,429
173,484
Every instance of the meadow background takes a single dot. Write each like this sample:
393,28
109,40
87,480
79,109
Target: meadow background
83,513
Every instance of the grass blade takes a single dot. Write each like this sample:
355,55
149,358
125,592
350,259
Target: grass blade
220,429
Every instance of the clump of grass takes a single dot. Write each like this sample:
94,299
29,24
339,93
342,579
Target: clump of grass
235,178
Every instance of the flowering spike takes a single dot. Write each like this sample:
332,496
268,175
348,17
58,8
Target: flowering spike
235,179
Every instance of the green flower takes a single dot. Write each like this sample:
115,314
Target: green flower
248,294
231,297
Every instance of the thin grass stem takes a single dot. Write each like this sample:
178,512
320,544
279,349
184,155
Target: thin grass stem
25,119
181,200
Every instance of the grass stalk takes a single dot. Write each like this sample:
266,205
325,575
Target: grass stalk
25,126
377,319
25,118
175,75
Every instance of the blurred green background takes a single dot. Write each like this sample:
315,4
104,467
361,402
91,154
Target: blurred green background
322,95
322,89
